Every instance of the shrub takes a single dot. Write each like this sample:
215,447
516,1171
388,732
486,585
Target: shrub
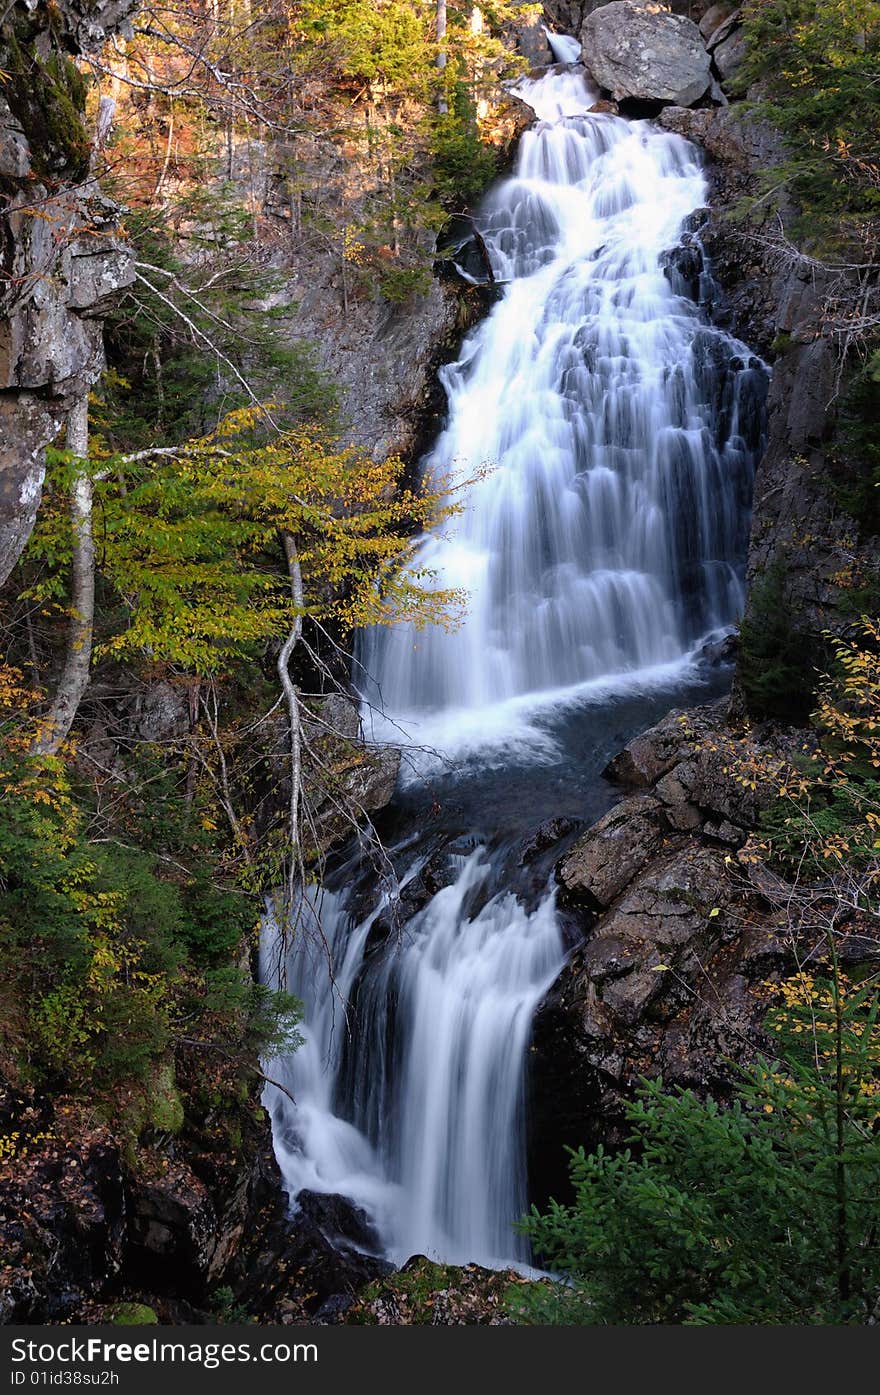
728,1215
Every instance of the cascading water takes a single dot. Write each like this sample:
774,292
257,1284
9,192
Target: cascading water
620,432
608,535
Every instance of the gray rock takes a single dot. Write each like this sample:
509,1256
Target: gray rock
162,713
725,832
723,31
531,41
27,425
647,54
730,54
62,269
605,860
99,269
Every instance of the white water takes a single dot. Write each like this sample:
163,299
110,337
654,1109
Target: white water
606,540
607,536
439,1098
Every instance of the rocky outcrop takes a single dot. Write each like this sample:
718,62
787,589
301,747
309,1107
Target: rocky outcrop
641,52
62,260
684,929
675,938
603,863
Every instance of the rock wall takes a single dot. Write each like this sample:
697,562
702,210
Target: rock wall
89,1221
775,300
61,257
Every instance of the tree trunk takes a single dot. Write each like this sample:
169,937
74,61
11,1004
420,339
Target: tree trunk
442,104
55,727
292,698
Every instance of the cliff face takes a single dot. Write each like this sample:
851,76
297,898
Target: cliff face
61,256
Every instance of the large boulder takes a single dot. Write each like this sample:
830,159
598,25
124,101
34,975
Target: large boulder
647,54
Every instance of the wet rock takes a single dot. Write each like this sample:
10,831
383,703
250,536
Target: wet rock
462,252
716,652
639,52
651,755
294,1268
683,267
546,836
605,860
339,1219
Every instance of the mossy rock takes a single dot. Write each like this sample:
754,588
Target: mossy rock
47,98
165,1104
132,1315
424,1293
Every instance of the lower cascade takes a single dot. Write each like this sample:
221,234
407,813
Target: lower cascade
613,432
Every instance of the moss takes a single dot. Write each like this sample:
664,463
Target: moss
780,345
48,99
132,1315
165,1104
155,1105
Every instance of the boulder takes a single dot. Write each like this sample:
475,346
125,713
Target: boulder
729,55
545,836
656,751
646,54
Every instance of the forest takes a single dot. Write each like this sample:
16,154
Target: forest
440,671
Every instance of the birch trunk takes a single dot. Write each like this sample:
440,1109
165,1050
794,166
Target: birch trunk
55,727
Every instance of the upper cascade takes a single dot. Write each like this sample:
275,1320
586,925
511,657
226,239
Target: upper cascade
616,430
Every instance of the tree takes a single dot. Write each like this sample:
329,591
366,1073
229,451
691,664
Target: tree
763,1212
250,538
816,63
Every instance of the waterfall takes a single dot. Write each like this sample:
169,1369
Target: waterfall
601,546
608,535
